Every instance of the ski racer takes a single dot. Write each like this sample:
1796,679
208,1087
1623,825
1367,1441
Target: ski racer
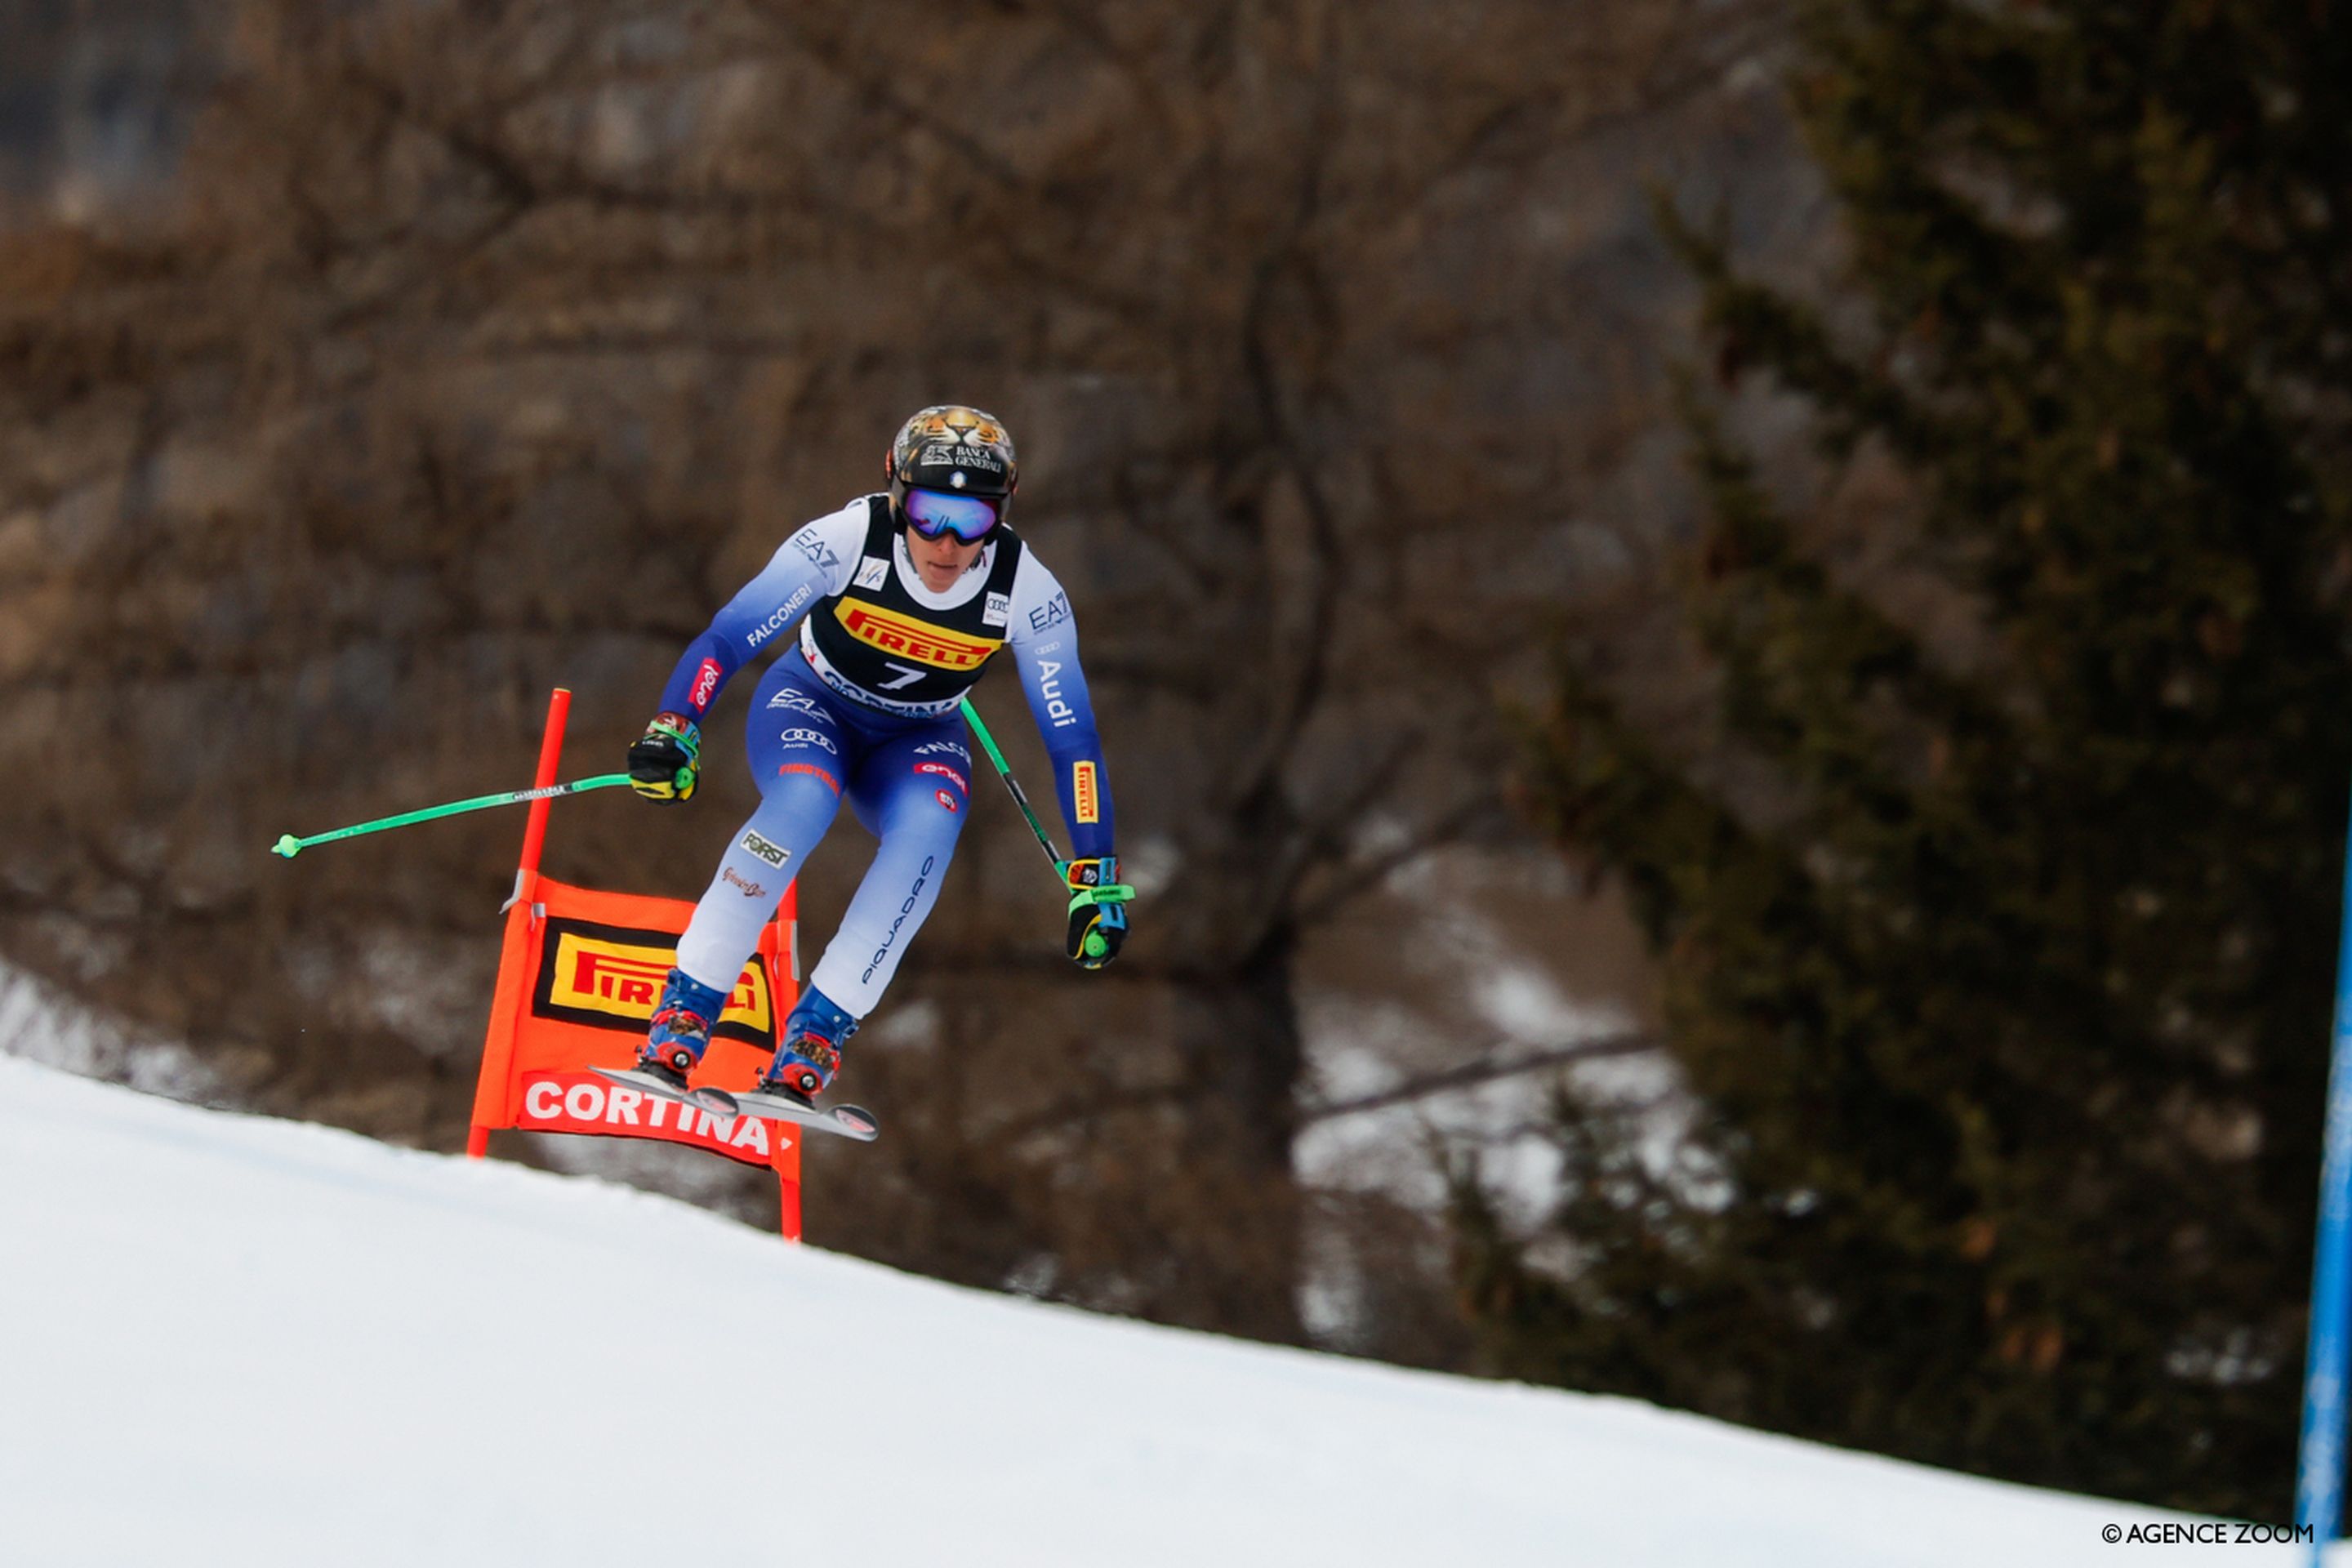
901,598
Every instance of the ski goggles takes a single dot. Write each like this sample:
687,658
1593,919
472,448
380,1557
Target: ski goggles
935,512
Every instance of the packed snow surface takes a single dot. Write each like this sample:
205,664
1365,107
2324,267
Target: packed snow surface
237,1341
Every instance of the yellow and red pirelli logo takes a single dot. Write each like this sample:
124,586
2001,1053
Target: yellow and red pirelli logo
612,977
903,637
1083,793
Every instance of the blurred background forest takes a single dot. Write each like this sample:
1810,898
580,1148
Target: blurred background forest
1719,629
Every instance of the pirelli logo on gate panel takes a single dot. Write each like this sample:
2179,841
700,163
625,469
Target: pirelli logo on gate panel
1082,792
611,977
906,637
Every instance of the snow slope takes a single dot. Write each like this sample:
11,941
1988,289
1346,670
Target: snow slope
242,1342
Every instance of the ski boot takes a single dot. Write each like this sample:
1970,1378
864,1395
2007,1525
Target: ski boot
811,1052
681,1028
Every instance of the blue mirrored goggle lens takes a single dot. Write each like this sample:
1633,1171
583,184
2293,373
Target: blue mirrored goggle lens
934,513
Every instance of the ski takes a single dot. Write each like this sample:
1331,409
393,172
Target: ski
851,1121
716,1101
848,1121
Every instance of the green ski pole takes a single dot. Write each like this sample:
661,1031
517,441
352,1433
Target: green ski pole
1115,893
988,742
289,846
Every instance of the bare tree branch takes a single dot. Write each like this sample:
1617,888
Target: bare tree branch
1447,1080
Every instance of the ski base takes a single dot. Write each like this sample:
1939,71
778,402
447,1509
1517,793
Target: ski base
847,1122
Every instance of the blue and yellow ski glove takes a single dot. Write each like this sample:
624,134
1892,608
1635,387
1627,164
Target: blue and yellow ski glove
1097,910
664,760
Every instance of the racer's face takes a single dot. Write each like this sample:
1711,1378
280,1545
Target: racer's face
939,562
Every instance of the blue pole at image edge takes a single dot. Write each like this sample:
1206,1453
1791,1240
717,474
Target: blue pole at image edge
2319,1480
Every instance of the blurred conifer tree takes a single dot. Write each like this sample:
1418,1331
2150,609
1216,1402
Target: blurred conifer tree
2005,1005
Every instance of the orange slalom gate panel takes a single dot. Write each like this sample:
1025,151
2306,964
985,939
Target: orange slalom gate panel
578,980
580,972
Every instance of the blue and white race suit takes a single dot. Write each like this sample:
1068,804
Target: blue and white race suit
817,735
